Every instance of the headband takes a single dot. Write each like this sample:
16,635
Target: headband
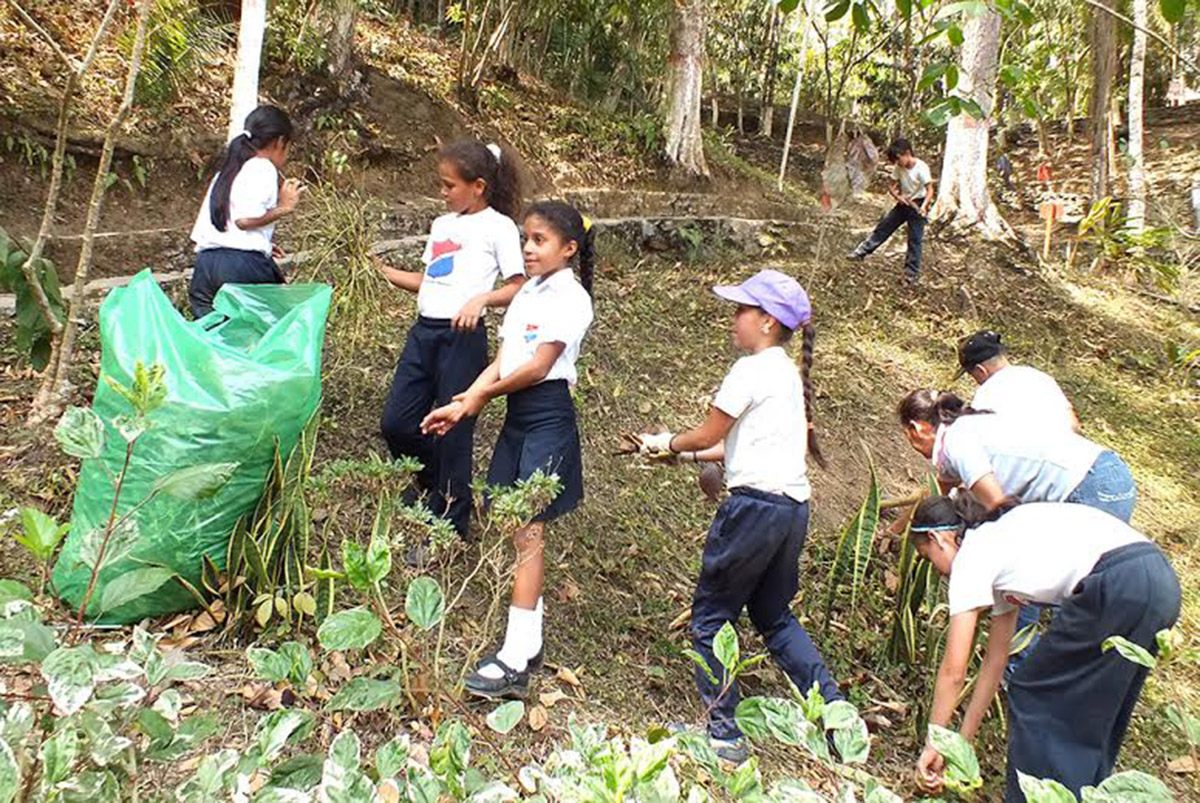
929,528
246,133
494,149
587,223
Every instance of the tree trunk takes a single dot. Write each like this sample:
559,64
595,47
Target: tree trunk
685,147
1102,36
251,31
341,41
1136,213
963,193
52,395
766,108
805,20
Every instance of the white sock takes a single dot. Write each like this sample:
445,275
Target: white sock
535,644
522,631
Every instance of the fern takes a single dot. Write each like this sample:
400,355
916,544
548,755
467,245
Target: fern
854,547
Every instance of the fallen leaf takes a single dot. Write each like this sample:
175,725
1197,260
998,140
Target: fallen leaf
568,676
538,718
389,791
568,592
876,722
891,581
552,697
338,668
1184,765
261,696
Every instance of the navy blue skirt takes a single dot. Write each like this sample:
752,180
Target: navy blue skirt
218,266
539,432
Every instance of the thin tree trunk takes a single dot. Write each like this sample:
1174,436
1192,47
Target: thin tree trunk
766,107
805,42
1137,168
51,396
963,192
75,75
1102,36
251,31
685,147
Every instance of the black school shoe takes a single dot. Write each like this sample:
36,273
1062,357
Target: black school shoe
512,685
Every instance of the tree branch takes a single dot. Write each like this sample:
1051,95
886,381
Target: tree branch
33,25
1191,65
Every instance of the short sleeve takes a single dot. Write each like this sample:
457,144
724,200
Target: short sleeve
567,323
736,391
925,174
963,454
427,254
507,245
255,190
970,586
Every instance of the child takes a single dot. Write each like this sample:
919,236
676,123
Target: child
237,219
761,415
912,187
1013,390
535,368
468,248
1069,704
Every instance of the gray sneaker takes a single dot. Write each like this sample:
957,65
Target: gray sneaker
732,750
856,256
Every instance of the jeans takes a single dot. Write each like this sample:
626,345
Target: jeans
1108,486
752,560
899,215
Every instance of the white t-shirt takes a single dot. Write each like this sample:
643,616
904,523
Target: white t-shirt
255,192
1031,463
1027,393
767,445
913,180
551,309
1034,553
463,257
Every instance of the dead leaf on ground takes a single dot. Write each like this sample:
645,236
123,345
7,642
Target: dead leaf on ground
538,718
891,581
261,696
389,791
337,668
1184,765
550,698
568,676
569,592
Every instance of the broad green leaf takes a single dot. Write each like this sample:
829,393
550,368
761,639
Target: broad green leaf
191,732
861,20
933,72
788,6
1130,786
10,775
195,482
853,743
366,694
70,674
500,792
133,585
392,757
104,745
962,766
955,35
725,646
951,77
751,718
215,772
904,7
124,538
155,725
112,697
354,560
346,751
1129,651
11,590
744,781
301,773
58,755
379,559
791,790
280,728
699,661
352,629
93,786
839,714
1011,75
1044,791
650,759
169,704
1187,724
24,641
42,533
1173,10
268,664
80,433
879,794
836,10
424,603
701,751
300,662
506,716
451,752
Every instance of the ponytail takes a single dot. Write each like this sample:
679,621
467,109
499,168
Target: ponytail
933,407
806,361
497,165
569,224
962,512
264,125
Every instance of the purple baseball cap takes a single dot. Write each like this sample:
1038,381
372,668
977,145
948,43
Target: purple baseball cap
777,294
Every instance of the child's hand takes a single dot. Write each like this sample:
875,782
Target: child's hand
472,402
929,770
443,419
655,443
277,252
290,194
468,317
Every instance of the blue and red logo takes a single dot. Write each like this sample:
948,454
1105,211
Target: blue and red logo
443,259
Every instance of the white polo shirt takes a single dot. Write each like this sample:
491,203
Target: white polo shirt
1027,393
1035,553
255,192
767,445
1034,464
463,257
547,309
913,180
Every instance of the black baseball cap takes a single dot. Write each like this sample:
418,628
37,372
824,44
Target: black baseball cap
978,348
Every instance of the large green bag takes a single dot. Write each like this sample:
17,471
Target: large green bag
246,374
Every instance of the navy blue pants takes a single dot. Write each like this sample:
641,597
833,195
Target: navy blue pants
752,560
1069,703
437,363
218,266
899,215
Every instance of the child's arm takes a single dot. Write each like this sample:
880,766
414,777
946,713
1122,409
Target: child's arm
894,189
700,441
409,280
468,317
951,677
289,196
929,191
1000,636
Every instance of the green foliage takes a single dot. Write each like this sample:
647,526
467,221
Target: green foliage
1117,244
1129,651
351,629
183,38
33,334
424,603
961,774
366,694
855,545
506,716
40,534
291,663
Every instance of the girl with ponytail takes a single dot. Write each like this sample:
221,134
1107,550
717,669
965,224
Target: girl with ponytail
534,368
470,247
234,230
760,424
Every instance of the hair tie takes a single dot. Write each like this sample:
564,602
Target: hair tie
587,223
494,149
246,133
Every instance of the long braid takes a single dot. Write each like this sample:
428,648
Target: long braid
806,361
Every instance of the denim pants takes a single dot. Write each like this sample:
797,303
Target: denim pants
752,560
1107,486
899,215
1070,703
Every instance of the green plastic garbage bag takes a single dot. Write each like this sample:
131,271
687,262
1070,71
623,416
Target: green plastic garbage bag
247,373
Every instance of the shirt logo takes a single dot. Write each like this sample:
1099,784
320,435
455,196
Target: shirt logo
443,259
531,332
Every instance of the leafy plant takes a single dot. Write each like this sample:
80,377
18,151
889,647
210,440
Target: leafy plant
33,333
40,535
916,599
184,37
854,546
1115,243
81,433
1129,785
961,774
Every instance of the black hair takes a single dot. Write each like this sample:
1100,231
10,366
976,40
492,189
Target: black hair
806,361
933,407
962,512
569,224
898,148
264,125
501,174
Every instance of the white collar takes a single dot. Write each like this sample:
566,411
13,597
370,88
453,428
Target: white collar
553,281
938,438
